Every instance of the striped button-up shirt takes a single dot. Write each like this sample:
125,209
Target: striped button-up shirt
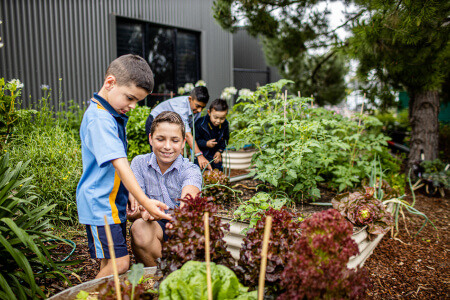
165,187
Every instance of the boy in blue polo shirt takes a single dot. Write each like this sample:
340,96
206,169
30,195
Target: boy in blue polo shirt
107,177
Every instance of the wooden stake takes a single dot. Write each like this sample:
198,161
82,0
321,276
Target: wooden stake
112,254
208,265
262,272
171,94
299,94
362,109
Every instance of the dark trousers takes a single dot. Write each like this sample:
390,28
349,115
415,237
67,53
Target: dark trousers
148,126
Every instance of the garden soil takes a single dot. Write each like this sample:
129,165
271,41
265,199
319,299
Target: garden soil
401,267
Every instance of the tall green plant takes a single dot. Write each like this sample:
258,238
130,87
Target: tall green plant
137,139
9,92
23,226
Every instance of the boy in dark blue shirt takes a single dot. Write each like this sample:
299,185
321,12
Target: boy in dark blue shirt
212,133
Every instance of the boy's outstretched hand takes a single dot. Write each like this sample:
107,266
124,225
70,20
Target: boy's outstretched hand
155,209
217,157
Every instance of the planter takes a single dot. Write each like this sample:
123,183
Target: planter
234,241
92,285
238,160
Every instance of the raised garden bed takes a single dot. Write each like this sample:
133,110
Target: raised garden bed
93,285
360,236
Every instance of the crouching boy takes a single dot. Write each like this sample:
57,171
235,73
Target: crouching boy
165,176
212,133
107,177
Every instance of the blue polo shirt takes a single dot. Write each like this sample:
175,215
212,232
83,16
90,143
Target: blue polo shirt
100,191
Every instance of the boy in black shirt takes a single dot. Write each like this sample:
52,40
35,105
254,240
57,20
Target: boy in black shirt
212,133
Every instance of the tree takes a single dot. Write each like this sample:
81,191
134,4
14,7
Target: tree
405,44
292,33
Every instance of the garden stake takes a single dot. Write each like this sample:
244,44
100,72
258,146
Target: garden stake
113,259
193,138
208,266
262,272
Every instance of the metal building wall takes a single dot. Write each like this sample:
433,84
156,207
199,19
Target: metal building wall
45,40
249,62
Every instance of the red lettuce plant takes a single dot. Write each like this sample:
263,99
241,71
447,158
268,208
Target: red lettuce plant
285,232
364,209
317,264
187,237
216,184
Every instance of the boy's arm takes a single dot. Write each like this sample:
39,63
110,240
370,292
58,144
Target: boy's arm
201,136
202,161
154,207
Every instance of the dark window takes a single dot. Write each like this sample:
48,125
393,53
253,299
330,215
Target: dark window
173,54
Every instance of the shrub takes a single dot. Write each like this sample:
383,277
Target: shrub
317,265
187,237
284,234
22,234
9,93
137,139
55,164
299,146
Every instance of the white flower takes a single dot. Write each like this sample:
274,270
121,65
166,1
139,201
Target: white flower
228,92
181,90
188,87
200,83
15,84
245,93
45,87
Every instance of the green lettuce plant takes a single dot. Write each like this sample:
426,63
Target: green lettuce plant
189,282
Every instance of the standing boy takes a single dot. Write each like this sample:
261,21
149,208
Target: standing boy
185,106
107,176
164,175
212,133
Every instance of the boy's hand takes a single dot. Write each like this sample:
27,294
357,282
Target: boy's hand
211,143
203,163
217,157
133,212
145,215
156,209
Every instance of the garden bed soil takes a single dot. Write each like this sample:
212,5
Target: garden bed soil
402,267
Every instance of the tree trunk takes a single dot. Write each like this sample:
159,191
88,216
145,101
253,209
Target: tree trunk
423,116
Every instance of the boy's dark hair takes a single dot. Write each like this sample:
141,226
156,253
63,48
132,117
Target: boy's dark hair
200,93
132,69
169,117
219,105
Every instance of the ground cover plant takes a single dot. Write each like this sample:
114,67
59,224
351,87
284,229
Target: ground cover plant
299,146
24,231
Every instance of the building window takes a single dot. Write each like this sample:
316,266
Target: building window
173,54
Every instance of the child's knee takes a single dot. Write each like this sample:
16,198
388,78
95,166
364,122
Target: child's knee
142,232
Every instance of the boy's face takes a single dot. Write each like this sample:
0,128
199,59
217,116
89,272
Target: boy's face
196,106
123,98
217,117
167,143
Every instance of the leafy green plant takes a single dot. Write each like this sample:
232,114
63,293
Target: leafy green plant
137,139
252,209
189,282
23,232
435,171
187,237
317,265
284,234
9,93
299,146
55,165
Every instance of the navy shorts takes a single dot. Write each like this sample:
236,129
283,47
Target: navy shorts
98,243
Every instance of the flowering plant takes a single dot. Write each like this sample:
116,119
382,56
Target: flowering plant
228,93
188,87
9,92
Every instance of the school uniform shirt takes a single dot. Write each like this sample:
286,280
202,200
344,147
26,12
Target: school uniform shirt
181,106
165,187
100,191
205,131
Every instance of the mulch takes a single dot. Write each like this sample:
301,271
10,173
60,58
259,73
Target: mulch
405,266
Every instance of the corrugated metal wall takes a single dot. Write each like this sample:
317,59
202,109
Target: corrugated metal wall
248,55
45,40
